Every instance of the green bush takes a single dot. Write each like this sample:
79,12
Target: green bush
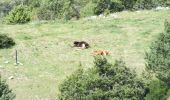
128,4
158,58
149,4
5,92
31,3
103,82
70,10
105,5
158,91
19,14
144,4
88,9
6,42
43,13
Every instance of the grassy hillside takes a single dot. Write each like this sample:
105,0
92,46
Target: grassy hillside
47,56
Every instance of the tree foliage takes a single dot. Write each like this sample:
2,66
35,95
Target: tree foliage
103,82
158,59
157,90
5,92
68,9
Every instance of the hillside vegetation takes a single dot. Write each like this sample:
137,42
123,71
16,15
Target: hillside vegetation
47,57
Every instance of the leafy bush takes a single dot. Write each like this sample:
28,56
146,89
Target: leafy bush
6,42
158,91
5,92
70,10
43,13
88,9
103,82
128,4
111,5
144,4
149,4
31,3
158,59
20,14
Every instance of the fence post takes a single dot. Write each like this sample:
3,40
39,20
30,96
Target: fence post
16,57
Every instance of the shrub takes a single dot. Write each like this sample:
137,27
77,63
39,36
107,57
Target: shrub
144,4
20,14
158,59
158,91
5,92
111,5
88,9
103,82
128,4
70,10
6,42
149,4
31,3
44,14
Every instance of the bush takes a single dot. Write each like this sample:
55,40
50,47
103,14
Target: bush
149,4
44,14
128,4
144,4
103,82
6,42
88,9
70,10
158,91
20,14
5,92
158,59
105,5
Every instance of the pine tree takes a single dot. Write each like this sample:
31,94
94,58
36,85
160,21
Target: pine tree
104,81
5,92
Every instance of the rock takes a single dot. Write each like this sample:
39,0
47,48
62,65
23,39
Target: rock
91,18
138,11
11,77
113,16
6,62
161,8
21,64
101,16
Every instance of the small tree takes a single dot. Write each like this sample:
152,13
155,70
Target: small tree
5,92
158,59
103,82
19,14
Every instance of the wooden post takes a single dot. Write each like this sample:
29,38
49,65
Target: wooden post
16,56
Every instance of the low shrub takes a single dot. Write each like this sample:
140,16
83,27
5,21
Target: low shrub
19,14
6,42
158,58
43,13
5,92
103,82
149,4
88,9
157,90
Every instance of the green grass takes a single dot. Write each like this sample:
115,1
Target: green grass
47,56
